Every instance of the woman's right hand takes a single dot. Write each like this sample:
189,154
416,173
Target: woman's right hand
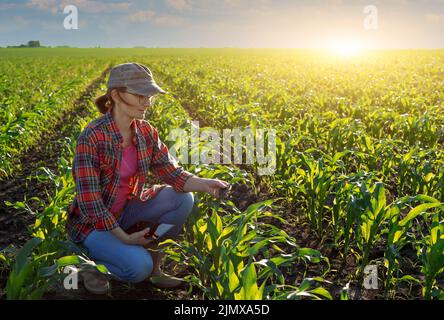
139,238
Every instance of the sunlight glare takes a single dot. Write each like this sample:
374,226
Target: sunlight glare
346,49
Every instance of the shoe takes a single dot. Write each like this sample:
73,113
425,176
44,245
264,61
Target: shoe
165,281
95,281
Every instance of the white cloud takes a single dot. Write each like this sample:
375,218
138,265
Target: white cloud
180,5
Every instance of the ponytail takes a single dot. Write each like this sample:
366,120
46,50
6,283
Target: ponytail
104,102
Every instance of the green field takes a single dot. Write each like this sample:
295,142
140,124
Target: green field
358,179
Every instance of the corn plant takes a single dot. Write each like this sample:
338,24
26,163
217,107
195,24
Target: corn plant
373,213
31,276
417,174
308,289
218,253
398,233
342,217
221,251
345,220
432,257
315,185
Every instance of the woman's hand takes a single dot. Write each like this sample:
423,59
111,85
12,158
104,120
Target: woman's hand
139,238
212,186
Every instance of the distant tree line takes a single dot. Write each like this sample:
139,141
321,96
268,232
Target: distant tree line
35,44
30,44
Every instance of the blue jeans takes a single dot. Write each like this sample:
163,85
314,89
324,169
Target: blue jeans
133,263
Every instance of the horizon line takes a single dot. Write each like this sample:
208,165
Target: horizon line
225,47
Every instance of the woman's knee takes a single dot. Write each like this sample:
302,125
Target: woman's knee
187,200
139,268
183,200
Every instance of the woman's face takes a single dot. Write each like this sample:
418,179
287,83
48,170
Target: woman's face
132,105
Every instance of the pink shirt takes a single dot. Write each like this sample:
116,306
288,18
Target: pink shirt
128,169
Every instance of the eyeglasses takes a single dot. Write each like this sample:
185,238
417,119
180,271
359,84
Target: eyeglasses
143,100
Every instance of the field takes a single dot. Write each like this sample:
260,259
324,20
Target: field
356,191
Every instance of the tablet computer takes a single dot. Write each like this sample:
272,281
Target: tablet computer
159,232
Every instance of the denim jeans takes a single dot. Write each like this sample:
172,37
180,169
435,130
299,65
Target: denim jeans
133,263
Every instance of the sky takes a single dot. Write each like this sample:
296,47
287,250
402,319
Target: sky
227,23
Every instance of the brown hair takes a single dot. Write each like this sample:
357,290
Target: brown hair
104,102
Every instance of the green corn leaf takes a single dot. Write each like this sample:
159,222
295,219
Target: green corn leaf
322,292
416,211
249,283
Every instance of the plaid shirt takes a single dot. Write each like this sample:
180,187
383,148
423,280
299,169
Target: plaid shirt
96,172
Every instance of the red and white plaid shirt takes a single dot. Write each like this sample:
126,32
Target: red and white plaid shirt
96,172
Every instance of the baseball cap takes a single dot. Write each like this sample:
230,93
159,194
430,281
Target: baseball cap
135,77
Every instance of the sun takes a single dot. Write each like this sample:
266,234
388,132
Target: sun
346,49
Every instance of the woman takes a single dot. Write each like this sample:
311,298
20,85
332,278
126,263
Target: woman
113,156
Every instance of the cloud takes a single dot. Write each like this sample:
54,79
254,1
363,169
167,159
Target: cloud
141,16
153,18
88,6
97,6
44,5
180,5
170,21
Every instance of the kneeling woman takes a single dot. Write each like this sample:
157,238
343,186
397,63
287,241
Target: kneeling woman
114,155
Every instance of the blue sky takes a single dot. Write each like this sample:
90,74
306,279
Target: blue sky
224,23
